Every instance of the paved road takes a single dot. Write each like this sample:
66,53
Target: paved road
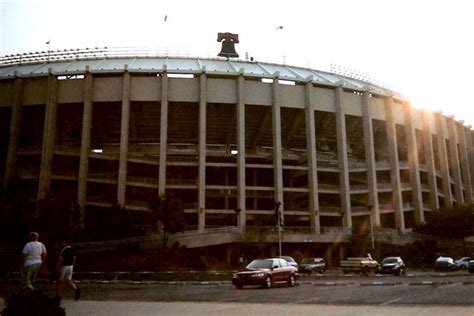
427,294
229,309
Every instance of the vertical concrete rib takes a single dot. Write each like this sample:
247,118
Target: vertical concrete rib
124,129
312,160
470,155
414,164
342,158
241,205
15,122
443,160
163,135
49,133
464,163
85,144
394,165
277,150
454,158
370,158
202,151
430,162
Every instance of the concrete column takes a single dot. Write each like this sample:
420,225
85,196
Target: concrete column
429,157
241,205
163,135
454,158
394,165
414,165
49,135
443,160
342,158
124,129
85,144
470,154
277,148
202,151
312,159
370,158
15,122
464,163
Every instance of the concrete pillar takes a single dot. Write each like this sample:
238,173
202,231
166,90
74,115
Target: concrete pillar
343,161
414,164
202,152
464,163
163,135
370,159
124,129
429,157
277,148
312,159
240,109
443,160
394,165
85,144
470,155
15,122
454,158
49,135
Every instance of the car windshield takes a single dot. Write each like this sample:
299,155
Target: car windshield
389,260
260,264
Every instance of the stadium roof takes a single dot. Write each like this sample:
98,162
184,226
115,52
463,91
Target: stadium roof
72,62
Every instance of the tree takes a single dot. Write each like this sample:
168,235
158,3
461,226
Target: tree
169,211
453,222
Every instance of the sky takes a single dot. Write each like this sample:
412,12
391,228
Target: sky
422,49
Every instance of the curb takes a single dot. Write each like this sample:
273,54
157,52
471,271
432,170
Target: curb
431,283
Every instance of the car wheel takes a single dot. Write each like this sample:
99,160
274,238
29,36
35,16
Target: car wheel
397,272
291,280
238,285
268,282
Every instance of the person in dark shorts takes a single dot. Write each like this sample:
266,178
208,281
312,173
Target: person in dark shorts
65,266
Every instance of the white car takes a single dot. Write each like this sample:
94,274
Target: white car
463,263
444,264
290,261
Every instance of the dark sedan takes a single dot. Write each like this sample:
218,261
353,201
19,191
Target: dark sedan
266,273
393,265
312,265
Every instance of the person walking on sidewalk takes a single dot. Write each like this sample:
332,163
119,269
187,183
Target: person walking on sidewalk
33,255
65,266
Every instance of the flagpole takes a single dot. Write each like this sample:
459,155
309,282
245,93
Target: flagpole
49,48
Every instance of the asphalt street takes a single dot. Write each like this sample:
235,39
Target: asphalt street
414,294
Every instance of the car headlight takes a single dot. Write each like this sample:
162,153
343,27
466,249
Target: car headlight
259,275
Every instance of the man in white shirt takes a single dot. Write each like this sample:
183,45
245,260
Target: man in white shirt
33,255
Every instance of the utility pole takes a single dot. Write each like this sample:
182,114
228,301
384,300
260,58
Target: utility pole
370,207
279,225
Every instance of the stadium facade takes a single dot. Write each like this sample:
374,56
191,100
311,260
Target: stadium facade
230,138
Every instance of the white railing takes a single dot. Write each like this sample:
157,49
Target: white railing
97,53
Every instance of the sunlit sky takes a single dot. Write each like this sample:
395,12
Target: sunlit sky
422,49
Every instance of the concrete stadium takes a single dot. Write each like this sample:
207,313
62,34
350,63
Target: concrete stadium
231,139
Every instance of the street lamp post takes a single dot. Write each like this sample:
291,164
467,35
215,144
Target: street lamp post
279,225
370,207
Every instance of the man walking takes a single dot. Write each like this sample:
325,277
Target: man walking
33,255
65,265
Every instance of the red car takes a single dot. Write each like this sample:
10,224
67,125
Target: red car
266,272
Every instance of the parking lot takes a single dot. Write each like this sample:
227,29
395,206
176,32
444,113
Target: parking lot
416,287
